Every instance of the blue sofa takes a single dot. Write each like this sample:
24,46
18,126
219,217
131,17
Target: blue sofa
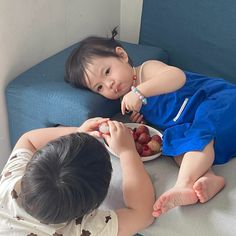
41,98
198,36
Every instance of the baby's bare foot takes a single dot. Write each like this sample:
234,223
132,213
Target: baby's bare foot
208,186
173,198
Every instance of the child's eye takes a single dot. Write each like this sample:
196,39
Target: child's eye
107,71
99,88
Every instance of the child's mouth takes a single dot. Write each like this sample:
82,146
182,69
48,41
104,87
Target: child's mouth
117,90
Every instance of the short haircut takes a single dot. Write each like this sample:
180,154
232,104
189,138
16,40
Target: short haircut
66,179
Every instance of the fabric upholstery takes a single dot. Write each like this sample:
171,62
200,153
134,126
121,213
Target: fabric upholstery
199,36
41,98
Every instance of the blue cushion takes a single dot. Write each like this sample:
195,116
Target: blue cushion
41,98
140,53
199,36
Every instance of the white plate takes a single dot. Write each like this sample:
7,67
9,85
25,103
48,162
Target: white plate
152,132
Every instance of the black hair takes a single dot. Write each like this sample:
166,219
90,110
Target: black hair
88,49
66,179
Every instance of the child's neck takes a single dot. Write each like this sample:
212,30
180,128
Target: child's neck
134,77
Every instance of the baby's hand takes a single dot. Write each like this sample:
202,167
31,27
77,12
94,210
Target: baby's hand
104,128
91,126
120,138
130,102
136,117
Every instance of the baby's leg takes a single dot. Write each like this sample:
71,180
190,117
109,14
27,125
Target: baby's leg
207,186
194,165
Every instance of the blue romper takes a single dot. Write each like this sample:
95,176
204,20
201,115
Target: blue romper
202,110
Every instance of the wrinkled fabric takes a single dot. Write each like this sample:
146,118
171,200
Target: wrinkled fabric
204,109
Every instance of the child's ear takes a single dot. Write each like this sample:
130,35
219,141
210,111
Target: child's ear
122,54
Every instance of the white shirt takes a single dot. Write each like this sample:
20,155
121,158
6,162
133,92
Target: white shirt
14,221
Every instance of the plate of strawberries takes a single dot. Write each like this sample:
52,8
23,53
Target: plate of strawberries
148,141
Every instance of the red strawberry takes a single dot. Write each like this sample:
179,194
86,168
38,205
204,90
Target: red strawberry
135,136
146,151
154,145
157,138
144,138
139,148
142,129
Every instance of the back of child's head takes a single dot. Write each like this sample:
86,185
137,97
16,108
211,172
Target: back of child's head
66,179
88,50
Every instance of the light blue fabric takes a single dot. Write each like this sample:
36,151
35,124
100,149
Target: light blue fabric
202,110
40,98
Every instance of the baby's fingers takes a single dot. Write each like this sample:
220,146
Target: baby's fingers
112,126
140,119
101,120
123,107
97,121
107,138
136,117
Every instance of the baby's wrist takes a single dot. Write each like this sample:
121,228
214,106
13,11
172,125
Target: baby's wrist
139,94
130,153
78,130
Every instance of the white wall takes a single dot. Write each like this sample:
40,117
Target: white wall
130,17
32,30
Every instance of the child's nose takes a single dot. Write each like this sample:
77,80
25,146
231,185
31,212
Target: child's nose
110,83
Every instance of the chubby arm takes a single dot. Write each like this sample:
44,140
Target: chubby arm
138,190
37,138
160,78
157,78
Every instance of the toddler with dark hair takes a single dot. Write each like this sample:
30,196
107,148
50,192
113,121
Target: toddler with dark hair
194,112
56,178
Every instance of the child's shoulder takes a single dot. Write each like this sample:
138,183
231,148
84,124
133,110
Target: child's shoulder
150,68
150,63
